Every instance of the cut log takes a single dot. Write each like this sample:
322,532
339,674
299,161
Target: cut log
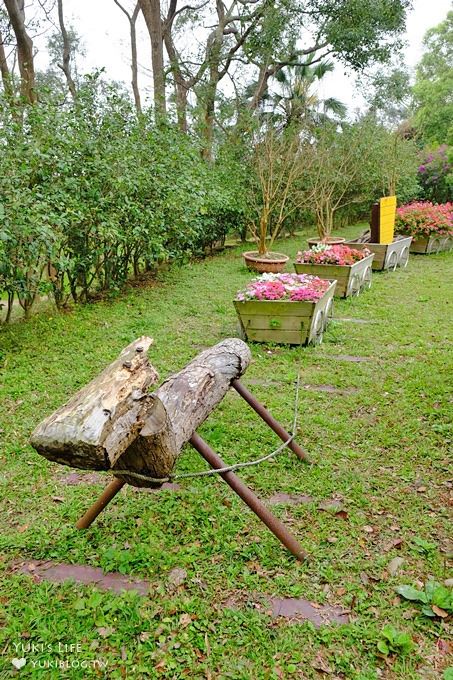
98,424
181,404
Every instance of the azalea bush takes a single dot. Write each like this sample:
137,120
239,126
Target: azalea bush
292,287
435,174
325,254
423,219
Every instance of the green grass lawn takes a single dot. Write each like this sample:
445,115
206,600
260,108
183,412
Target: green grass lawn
382,450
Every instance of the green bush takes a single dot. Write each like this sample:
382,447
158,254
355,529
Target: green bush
90,195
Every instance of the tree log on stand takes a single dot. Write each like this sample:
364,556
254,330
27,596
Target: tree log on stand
114,423
98,424
181,404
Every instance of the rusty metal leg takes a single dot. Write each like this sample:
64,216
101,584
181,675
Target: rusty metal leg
109,492
269,419
278,529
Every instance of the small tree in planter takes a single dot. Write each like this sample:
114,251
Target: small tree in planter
279,165
338,169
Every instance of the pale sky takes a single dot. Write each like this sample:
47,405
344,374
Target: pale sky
105,34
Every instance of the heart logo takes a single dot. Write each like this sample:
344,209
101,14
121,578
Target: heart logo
19,663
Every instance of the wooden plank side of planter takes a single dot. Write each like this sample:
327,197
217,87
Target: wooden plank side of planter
282,323
338,273
277,336
341,274
383,252
274,308
431,245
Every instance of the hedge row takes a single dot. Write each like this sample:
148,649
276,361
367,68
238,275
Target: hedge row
90,196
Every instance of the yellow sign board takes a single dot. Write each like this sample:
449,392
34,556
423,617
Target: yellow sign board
387,213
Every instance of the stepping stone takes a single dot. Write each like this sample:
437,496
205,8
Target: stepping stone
76,478
331,389
166,486
289,499
55,572
289,608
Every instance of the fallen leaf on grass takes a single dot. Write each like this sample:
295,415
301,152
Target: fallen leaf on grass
368,529
443,646
439,612
105,631
394,565
330,505
58,499
23,528
177,576
185,620
410,613
319,664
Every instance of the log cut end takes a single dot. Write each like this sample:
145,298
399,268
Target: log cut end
98,424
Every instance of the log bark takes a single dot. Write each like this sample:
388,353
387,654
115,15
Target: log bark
181,404
98,424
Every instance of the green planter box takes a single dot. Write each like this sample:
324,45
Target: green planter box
351,279
285,322
387,256
431,245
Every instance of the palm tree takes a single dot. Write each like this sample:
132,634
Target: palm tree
298,103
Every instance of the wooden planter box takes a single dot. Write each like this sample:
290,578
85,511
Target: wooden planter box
387,256
285,322
351,279
431,245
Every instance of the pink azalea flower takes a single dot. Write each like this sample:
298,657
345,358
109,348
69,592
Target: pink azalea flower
292,287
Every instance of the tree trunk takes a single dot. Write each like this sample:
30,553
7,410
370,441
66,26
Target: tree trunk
181,84
152,15
15,9
134,62
182,403
6,74
66,65
209,118
132,19
97,425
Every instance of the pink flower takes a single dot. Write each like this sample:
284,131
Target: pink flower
339,254
293,287
422,218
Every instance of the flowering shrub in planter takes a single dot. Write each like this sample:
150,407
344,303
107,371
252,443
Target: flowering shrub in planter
294,287
422,218
350,267
430,225
285,308
325,254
